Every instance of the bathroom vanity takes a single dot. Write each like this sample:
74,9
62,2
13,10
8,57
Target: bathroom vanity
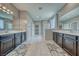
10,40
68,41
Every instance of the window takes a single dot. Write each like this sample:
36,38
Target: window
1,24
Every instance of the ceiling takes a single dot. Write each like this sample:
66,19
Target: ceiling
40,11
68,16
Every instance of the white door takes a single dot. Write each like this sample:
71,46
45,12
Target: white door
36,33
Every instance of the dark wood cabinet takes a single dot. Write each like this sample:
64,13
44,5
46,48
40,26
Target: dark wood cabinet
6,44
10,41
59,39
69,44
23,36
54,36
18,39
78,46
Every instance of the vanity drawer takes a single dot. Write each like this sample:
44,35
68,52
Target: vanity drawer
69,36
3,37
69,44
59,34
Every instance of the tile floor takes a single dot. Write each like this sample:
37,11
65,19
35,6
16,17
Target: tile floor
43,48
56,50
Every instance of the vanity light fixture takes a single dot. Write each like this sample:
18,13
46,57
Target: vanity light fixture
4,9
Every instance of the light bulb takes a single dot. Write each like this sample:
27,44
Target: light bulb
8,13
8,10
11,12
4,10
4,7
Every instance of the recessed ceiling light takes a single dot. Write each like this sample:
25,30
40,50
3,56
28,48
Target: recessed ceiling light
40,8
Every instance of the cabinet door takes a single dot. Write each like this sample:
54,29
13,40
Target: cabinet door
69,44
54,36
17,39
23,37
78,47
59,39
7,44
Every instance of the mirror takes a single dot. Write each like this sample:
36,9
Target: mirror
1,24
6,21
70,21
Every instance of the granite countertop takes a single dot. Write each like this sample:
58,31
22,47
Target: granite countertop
9,32
67,32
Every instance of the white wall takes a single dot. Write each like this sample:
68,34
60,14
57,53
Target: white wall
23,20
46,26
29,28
36,37
43,25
